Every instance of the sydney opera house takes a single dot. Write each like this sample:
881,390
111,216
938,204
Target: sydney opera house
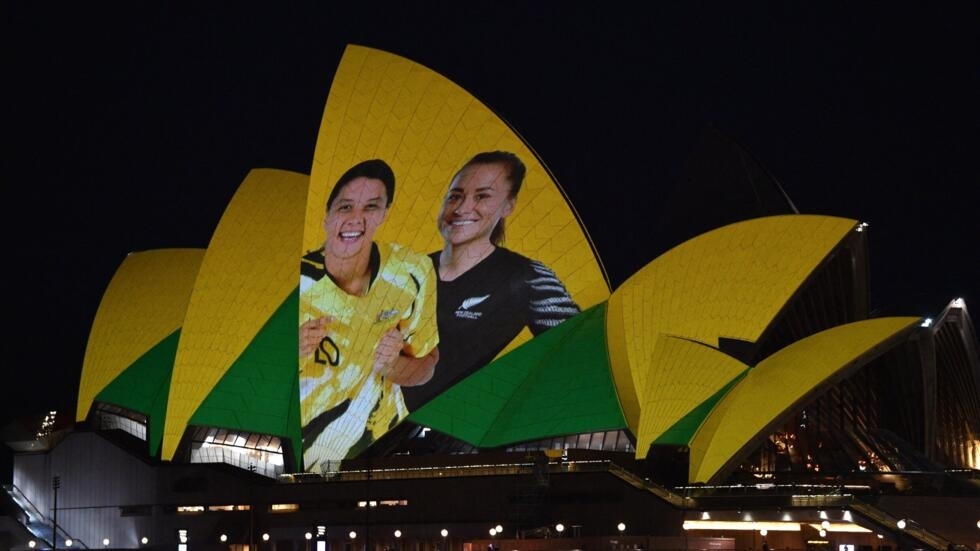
733,394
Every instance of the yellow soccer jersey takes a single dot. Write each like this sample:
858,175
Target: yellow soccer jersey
341,399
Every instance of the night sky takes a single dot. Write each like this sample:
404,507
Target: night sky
131,129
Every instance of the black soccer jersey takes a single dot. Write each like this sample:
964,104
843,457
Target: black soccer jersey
480,312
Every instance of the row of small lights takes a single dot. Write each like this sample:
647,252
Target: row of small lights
321,531
265,536
902,524
845,516
498,529
105,542
494,531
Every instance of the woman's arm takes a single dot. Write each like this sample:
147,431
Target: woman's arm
392,363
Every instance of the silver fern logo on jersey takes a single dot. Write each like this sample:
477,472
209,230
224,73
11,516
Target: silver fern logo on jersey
464,311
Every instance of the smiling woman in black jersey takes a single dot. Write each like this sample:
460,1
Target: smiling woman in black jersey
486,293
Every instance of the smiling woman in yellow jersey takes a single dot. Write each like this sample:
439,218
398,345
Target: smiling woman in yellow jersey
368,322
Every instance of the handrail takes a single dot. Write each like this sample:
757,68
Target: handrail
914,531
40,524
674,499
20,498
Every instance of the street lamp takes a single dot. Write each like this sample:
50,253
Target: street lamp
559,528
105,542
55,485
621,527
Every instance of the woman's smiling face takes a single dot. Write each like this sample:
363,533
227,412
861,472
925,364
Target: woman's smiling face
354,216
477,199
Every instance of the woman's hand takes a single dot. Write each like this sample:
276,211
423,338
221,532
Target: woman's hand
311,333
400,368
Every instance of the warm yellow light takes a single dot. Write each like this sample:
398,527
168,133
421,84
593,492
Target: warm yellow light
839,527
190,508
737,525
